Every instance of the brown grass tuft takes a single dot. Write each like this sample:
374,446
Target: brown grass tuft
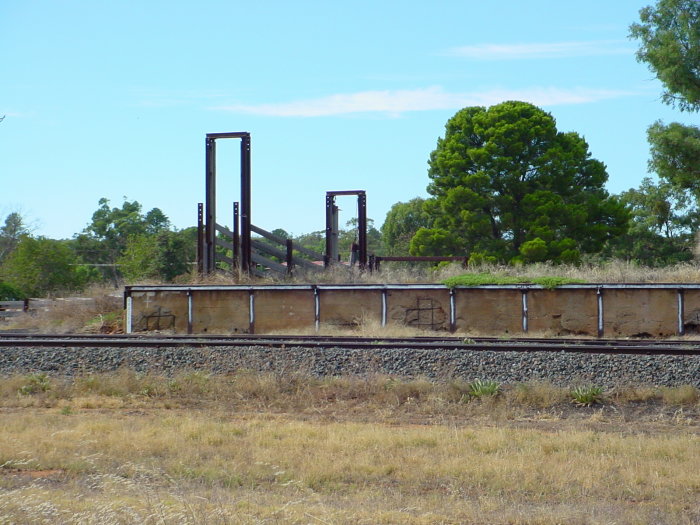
680,395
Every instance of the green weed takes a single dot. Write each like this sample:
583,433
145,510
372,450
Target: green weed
552,282
587,395
480,279
35,383
482,388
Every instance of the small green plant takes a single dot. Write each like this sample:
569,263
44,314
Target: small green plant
481,388
552,282
35,383
587,395
66,411
480,279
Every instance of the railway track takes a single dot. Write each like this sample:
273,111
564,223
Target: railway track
476,344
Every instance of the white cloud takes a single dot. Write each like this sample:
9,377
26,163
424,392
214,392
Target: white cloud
425,99
542,50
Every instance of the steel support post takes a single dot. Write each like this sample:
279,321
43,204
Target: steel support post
290,257
200,239
330,204
236,239
362,227
332,226
210,219
245,203
242,246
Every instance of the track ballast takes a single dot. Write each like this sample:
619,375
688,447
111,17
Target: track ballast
468,344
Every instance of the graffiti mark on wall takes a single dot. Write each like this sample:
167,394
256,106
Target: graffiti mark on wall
426,314
159,319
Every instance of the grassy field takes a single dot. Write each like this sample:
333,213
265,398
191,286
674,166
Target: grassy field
258,448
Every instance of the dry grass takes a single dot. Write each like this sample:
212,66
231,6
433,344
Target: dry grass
607,272
97,310
254,448
228,463
296,391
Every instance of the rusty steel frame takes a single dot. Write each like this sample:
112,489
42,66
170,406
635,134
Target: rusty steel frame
331,224
208,261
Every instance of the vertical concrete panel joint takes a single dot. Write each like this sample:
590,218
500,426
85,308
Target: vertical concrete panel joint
453,313
681,312
129,310
384,307
189,312
317,309
599,293
251,312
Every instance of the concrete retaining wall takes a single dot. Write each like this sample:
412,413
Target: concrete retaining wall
602,310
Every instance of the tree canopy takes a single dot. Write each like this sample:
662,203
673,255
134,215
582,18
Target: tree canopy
507,185
163,255
675,154
39,266
669,35
10,233
107,237
402,222
664,219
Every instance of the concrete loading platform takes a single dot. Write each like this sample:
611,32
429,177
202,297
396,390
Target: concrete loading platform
597,310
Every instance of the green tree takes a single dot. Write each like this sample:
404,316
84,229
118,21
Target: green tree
664,218
503,178
106,238
350,235
10,293
114,226
675,154
10,234
39,266
434,241
669,37
163,256
402,222
315,241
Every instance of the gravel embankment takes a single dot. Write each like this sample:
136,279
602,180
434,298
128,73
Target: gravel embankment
505,367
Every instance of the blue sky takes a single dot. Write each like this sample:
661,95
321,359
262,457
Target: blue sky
113,99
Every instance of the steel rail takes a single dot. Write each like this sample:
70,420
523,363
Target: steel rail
315,339
594,346
321,338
